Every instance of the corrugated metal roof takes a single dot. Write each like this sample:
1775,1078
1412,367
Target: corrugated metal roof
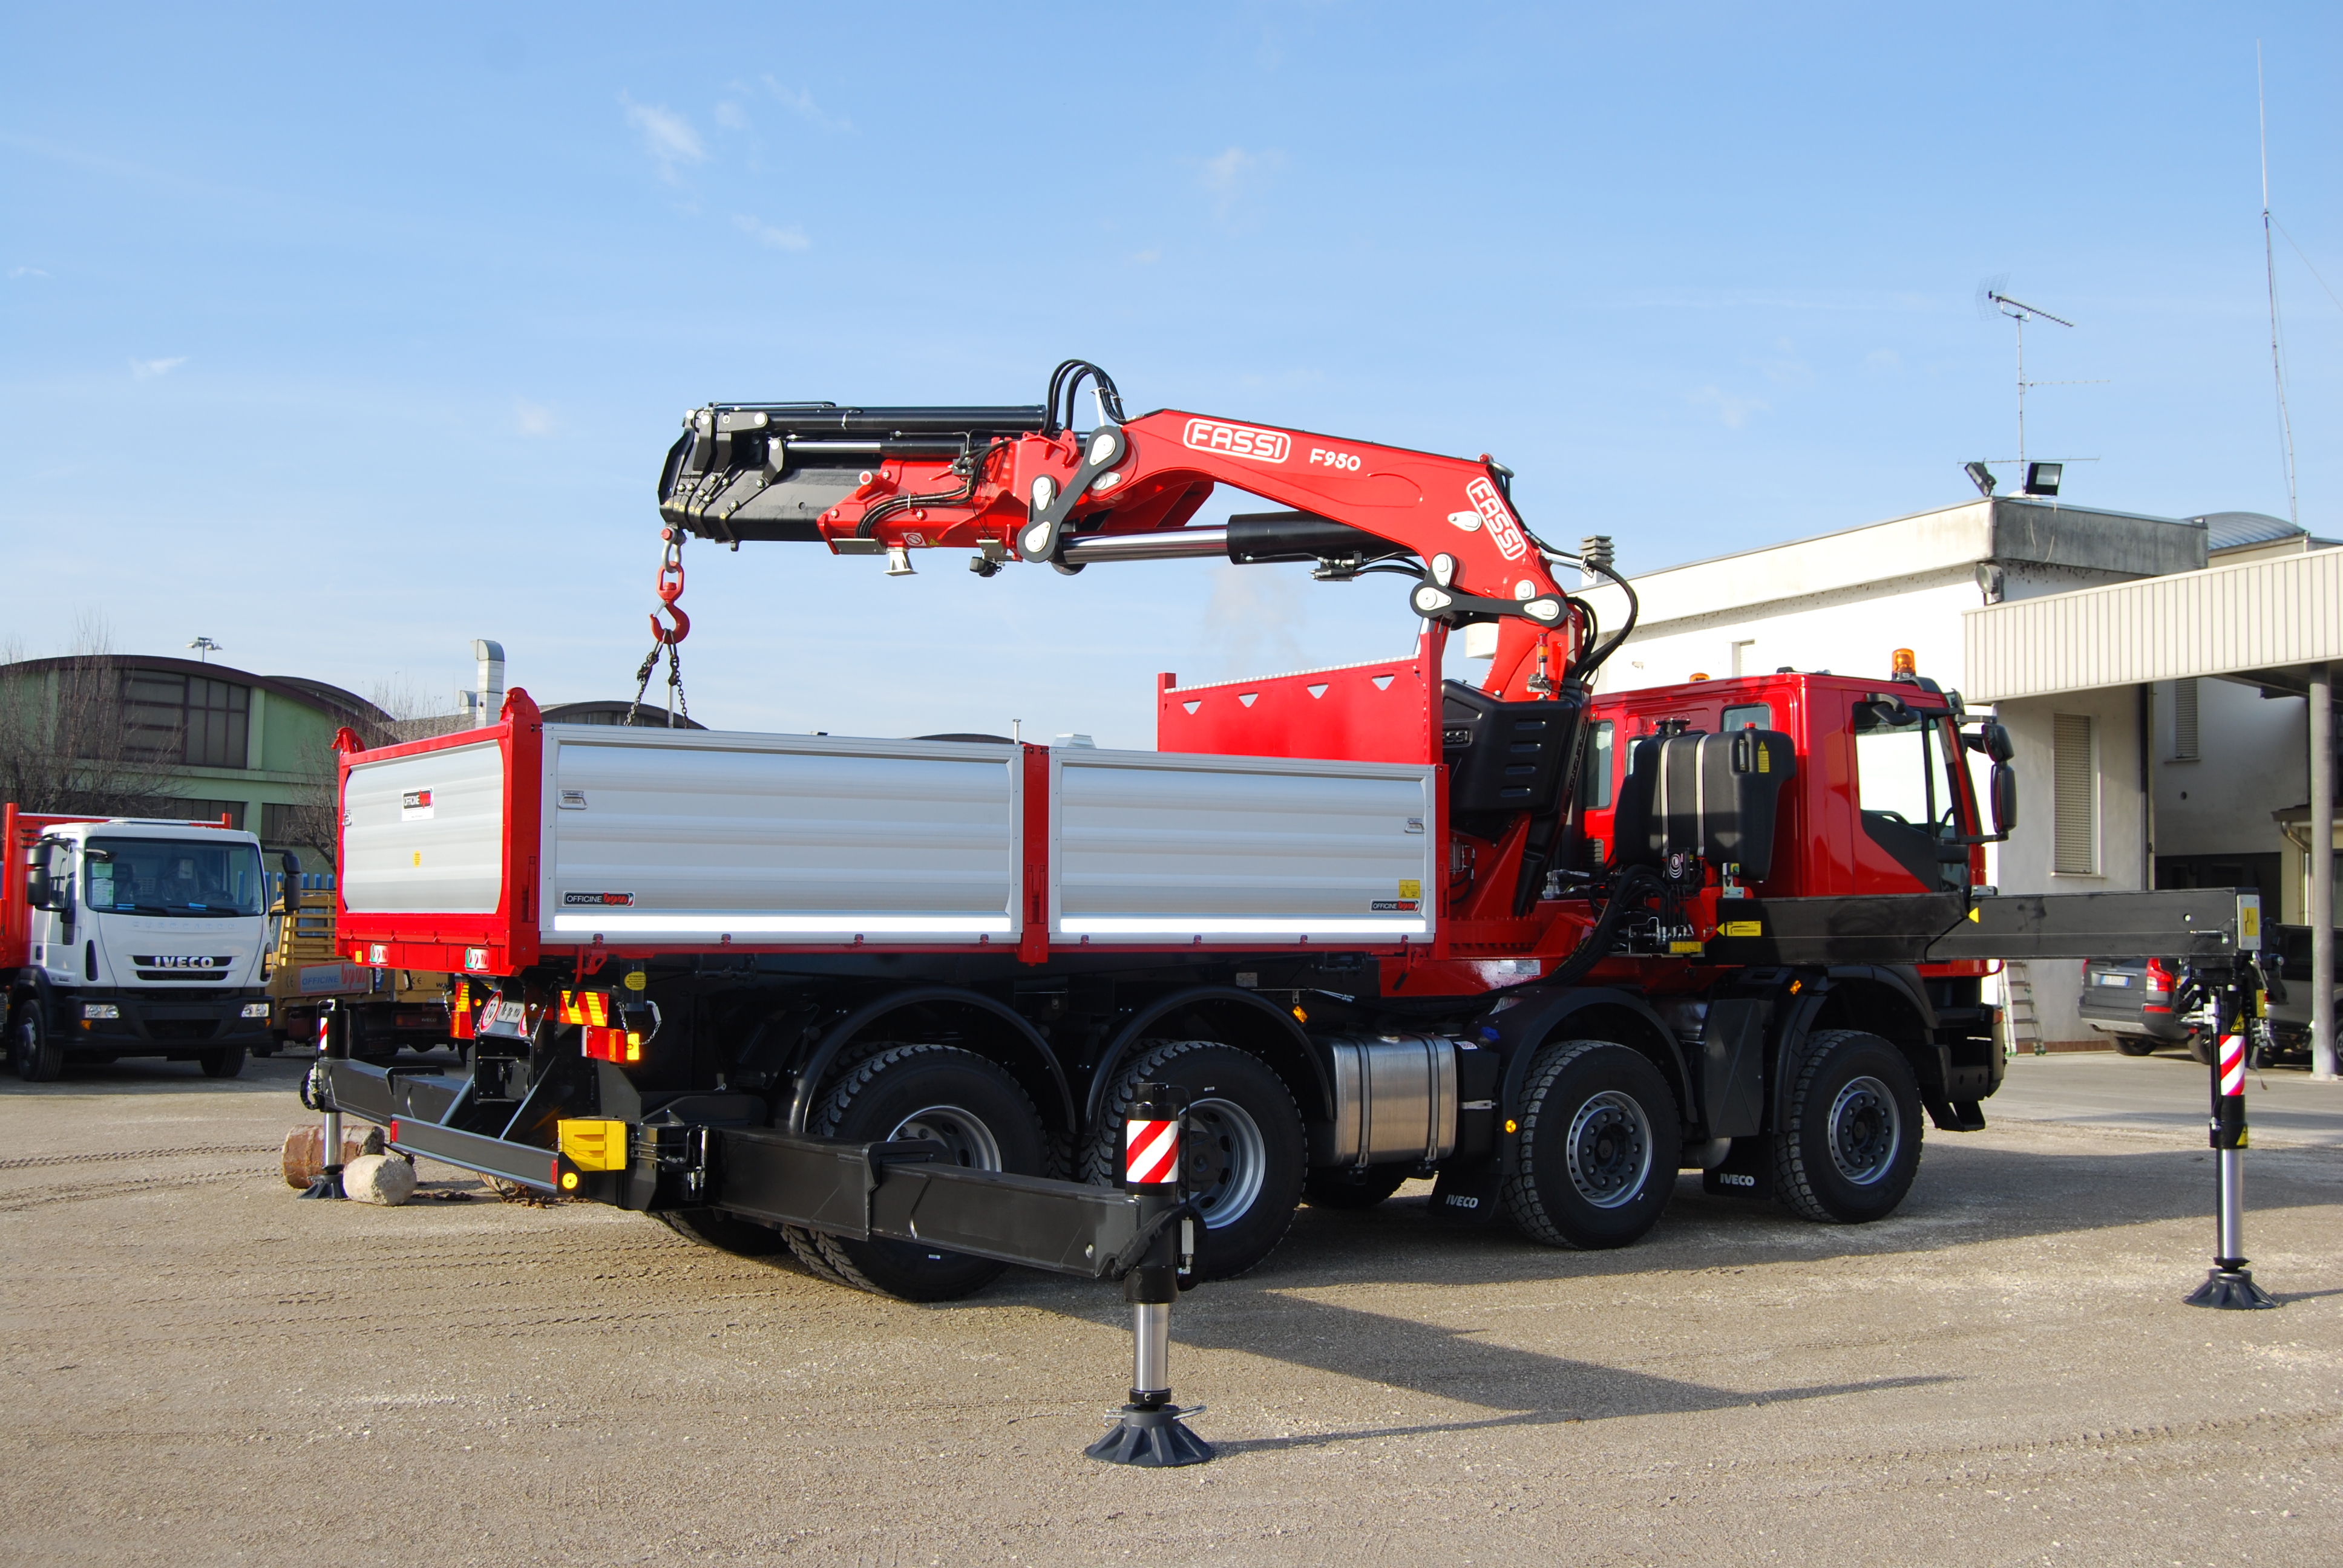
2228,530
2223,620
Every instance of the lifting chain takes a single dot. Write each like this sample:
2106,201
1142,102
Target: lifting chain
670,589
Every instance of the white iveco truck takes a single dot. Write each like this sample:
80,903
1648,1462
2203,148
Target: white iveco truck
130,937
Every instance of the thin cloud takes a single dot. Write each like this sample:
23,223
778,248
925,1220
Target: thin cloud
16,272
153,369
1732,409
800,102
1236,173
668,137
534,418
732,117
789,238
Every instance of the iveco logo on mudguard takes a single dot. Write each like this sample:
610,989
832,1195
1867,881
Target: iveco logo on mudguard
1240,440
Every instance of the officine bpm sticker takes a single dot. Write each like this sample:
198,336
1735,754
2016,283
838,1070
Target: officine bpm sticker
598,901
414,806
1410,899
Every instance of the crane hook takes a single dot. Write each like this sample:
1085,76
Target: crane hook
670,590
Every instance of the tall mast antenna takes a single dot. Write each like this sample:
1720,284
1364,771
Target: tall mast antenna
2269,271
2020,312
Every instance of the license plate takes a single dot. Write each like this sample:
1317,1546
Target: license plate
2115,980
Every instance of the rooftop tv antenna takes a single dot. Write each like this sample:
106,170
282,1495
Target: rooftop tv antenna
2270,268
1991,300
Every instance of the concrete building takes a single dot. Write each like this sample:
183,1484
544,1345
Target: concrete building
2180,768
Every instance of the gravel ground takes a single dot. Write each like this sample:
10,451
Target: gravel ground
200,1368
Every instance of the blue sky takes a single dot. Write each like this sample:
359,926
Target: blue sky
343,338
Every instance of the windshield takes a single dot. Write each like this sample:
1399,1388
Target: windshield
173,877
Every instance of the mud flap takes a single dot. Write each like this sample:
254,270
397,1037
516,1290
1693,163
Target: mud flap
1747,1172
1469,1196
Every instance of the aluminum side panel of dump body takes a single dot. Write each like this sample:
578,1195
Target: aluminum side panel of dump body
694,835
1149,850
424,833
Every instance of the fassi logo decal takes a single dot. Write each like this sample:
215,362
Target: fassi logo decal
1240,440
1500,520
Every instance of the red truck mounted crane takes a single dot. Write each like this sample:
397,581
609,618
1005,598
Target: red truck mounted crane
890,1004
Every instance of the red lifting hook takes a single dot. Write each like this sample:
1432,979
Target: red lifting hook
670,588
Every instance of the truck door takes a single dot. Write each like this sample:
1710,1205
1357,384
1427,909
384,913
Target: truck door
1910,814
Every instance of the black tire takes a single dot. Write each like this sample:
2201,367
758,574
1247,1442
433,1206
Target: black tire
37,1056
2200,1047
977,1109
2135,1044
1853,1142
1601,1137
1245,1152
224,1062
724,1233
1354,1187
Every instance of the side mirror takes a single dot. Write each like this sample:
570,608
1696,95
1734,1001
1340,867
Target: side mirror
37,891
291,862
1993,739
2004,787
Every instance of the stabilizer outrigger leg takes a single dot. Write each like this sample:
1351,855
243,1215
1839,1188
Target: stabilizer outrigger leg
1150,1431
317,1093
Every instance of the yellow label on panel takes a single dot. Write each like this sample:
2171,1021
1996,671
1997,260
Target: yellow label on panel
1409,888
418,858
1683,947
1742,929
1765,759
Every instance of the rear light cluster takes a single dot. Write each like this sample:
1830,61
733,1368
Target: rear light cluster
613,1044
2159,982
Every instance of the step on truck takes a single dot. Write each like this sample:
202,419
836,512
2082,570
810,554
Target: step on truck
888,1005
131,937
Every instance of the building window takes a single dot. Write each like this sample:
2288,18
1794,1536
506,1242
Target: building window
213,810
2184,720
2075,796
185,719
1744,655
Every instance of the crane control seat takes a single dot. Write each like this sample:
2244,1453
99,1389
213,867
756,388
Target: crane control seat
1713,797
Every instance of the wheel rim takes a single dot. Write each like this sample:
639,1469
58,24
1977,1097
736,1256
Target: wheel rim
1227,1159
1610,1150
1867,1131
968,1141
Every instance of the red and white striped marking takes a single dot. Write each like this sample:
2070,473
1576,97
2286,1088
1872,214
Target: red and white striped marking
1151,1152
2233,1064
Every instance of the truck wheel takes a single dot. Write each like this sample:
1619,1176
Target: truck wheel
1245,1152
2200,1047
2135,1044
224,1062
38,1058
1853,1142
1355,1188
974,1108
724,1233
1601,1137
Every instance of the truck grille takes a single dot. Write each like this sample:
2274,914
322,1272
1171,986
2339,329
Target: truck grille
181,1028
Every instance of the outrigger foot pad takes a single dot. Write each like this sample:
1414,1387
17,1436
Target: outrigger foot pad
1155,1437
2233,1288
327,1184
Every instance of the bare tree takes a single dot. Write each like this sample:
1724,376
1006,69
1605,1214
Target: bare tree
67,743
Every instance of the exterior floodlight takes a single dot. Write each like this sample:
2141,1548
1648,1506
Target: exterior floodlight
2042,479
1981,477
204,647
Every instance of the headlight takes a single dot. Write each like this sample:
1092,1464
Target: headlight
100,1010
256,1010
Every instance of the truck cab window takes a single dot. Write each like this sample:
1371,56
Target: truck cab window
1747,716
1905,792
1594,786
